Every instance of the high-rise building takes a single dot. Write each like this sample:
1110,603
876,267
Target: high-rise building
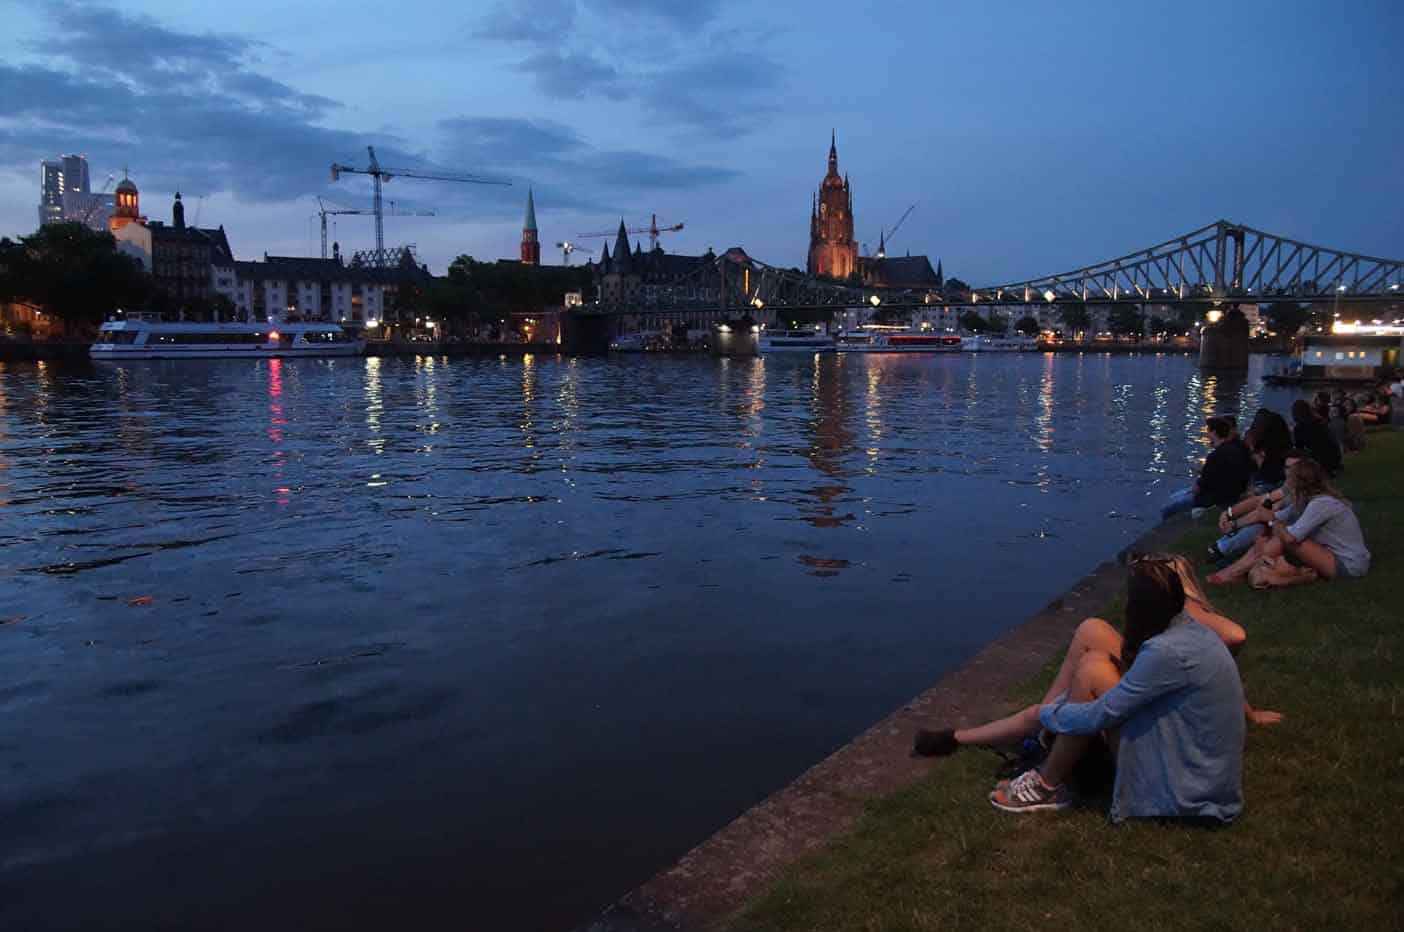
531,246
57,177
833,252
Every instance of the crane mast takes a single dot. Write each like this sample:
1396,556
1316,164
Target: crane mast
379,174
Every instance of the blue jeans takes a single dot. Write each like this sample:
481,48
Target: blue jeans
1237,542
1182,500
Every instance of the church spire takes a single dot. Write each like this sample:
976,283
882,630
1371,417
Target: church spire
833,153
531,245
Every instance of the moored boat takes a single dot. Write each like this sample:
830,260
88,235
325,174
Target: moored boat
142,337
877,339
794,341
988,344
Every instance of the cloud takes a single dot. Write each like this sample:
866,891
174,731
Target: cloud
680,59
538,22
573,74
196,111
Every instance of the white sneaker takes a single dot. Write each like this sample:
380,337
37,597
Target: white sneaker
1028,793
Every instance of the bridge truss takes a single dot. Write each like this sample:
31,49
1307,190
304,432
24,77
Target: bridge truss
1221,263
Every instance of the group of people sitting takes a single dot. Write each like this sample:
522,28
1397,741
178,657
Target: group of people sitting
1161,700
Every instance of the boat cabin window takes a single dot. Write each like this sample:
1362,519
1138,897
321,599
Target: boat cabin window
118,337
326,336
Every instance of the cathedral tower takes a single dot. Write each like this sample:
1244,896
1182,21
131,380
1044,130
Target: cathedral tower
832,249
531,247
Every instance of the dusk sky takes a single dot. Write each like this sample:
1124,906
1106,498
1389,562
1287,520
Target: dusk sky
1032,137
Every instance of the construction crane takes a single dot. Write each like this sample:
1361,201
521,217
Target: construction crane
566,247
324,212
95,199
380,174
653,230
882,235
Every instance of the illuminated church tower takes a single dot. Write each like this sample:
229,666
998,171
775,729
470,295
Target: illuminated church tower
127,208
531,247
832,249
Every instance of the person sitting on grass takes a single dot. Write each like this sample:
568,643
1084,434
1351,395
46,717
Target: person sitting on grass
1352,426
1093,667
1316,537
1268,438
1377,411
1242,522
1312,434
1225,474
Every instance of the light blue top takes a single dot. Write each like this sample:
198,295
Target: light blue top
1180,713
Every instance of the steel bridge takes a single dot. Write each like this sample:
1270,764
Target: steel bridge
1222,263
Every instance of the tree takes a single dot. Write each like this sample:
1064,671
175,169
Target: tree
1125,320
1028,326
1075,317
74,273
971,320
1286,317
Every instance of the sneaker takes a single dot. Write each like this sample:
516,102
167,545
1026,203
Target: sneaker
1214,556
1197,513
1028,793
939,743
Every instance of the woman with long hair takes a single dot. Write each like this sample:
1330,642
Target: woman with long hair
1316,537
1311,432
1094,666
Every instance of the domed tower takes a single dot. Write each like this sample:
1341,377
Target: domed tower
832,249
531,247
127,209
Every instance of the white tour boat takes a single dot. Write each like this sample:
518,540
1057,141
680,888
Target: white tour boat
794,341
142,337
988,344
878,339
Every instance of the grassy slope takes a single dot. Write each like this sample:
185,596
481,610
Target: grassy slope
1321,844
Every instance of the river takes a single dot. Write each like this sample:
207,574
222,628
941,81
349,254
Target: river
366,643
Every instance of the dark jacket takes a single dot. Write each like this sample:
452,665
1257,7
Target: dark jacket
1315,437
1225,476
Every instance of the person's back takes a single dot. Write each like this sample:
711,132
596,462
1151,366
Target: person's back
1312,434
1180,714
1228,469
1354,433
1331,522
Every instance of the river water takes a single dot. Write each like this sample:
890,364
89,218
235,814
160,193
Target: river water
366,643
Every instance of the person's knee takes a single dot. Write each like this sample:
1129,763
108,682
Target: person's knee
1098,634
1095,674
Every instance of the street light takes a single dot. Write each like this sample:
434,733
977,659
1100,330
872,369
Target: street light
1049,296
874,300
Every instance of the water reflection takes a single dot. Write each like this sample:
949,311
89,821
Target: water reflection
714,540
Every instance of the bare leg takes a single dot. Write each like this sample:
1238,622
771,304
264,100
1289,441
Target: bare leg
1279,574
1004,731
1093,634
1263,548
1310,553
1095,675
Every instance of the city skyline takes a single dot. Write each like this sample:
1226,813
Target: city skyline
1022,157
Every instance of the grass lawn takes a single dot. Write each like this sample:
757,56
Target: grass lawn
1320,845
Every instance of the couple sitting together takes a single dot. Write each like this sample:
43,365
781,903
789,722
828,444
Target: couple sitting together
1163,698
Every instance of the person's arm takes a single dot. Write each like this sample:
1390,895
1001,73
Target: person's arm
1313,516
1155,673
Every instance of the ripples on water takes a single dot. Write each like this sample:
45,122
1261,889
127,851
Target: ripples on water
541,621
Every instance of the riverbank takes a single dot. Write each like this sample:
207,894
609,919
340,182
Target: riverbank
872,839
1319,846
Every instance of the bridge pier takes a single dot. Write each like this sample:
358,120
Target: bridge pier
1225,345
586,334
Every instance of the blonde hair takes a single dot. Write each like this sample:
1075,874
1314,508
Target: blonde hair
1189,579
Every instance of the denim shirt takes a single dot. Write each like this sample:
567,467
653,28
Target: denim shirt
1180,712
